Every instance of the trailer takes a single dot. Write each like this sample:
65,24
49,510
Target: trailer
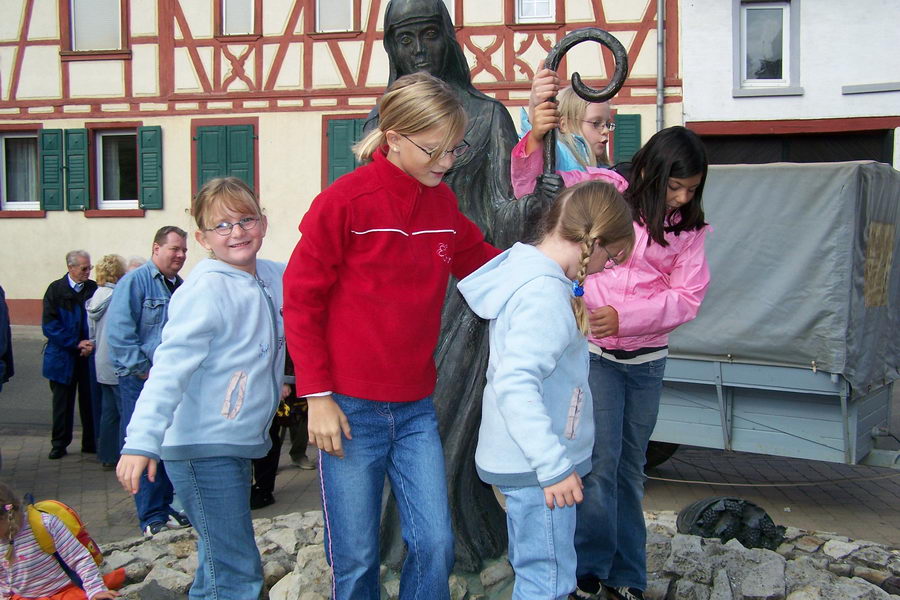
797,344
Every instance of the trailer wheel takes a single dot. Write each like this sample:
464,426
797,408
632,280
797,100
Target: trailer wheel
658,453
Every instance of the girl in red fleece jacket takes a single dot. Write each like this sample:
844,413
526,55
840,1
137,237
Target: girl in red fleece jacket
363,296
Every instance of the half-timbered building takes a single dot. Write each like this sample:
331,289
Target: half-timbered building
113,112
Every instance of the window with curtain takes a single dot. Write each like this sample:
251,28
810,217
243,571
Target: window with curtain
96,24
117,170
19,179
237,17
765,43
535,11
334,15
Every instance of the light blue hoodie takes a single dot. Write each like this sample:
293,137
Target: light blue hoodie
216,377
536,419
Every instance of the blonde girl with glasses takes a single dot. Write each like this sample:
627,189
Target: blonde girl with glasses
537,430
583,127
216,382
363,296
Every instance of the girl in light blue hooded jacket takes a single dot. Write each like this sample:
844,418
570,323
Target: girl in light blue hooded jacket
537,429
216,381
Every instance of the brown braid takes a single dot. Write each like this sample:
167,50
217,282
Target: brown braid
578,306
13,517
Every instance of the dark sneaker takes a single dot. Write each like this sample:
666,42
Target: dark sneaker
153,528
57,453
624,593
588,588
178,521
260,499
580,594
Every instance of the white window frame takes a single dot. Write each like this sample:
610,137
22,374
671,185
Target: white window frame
252,27
789,84
98,160
6,204
350,26
784,7
74,29
548,17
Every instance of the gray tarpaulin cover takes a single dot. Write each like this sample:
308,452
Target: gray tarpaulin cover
805,266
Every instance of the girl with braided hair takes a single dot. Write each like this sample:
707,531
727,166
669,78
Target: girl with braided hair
537,429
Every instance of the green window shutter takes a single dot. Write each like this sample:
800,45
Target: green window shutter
210,153
627,137
77,188
342,134
239,157
50,143
150,181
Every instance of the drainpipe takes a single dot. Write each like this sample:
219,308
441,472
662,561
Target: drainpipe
660,60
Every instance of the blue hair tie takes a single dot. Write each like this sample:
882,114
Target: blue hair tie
577,290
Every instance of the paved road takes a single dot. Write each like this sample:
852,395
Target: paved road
859,502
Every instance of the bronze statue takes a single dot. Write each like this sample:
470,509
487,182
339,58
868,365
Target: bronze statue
419,35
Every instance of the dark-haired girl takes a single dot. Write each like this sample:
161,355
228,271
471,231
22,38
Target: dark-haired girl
633,309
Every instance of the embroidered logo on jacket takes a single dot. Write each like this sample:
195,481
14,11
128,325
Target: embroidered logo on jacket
443,250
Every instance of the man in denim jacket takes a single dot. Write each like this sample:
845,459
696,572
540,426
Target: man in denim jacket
135,319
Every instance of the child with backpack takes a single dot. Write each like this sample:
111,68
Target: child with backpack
27,570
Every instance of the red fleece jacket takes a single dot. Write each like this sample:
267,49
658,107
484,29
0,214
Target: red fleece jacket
364,288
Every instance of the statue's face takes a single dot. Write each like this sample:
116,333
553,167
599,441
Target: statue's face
420,47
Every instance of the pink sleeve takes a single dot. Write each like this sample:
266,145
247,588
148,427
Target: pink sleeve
524,169
75,556
675,306
570,178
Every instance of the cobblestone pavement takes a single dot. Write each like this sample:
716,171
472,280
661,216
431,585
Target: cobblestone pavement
856,501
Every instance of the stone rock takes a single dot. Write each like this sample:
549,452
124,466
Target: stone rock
272,572
183,548
891,585
808,543
838,550
841,569
686,589
657,587
150,551
118,559
458,588
875,576
792,533
807,592
659,545
391,589
686,559
285,539
872,556
721,588
169,579
137,570
286,589
496,572
755,573
786,550
154,591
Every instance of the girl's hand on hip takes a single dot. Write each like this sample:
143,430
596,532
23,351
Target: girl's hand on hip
326,424
567,492
604,322
130,468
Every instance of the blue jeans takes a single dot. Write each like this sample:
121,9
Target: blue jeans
154,498
611,536
541,545
400,440
108,441
216,496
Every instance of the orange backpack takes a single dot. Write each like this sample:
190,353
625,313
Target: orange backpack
69,518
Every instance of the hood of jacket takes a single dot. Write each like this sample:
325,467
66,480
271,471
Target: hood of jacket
99,302
488,289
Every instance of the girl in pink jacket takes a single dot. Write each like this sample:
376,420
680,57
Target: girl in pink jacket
633,309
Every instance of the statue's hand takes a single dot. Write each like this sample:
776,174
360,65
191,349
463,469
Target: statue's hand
549,185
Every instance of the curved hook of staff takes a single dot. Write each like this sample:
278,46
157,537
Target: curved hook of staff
605,38
582,89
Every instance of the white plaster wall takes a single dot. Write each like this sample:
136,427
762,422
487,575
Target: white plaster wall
97,78
483,12
199,17
145,69
11,23
143,17
40,76
840,45
44,20
275,16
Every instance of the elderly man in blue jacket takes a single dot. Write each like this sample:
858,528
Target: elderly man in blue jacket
67,355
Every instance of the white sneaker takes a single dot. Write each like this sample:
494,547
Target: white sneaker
304,463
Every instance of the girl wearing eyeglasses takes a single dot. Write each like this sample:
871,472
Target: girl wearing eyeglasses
216,382
583,133
363,296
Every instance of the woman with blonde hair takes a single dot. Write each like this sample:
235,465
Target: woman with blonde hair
107,272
